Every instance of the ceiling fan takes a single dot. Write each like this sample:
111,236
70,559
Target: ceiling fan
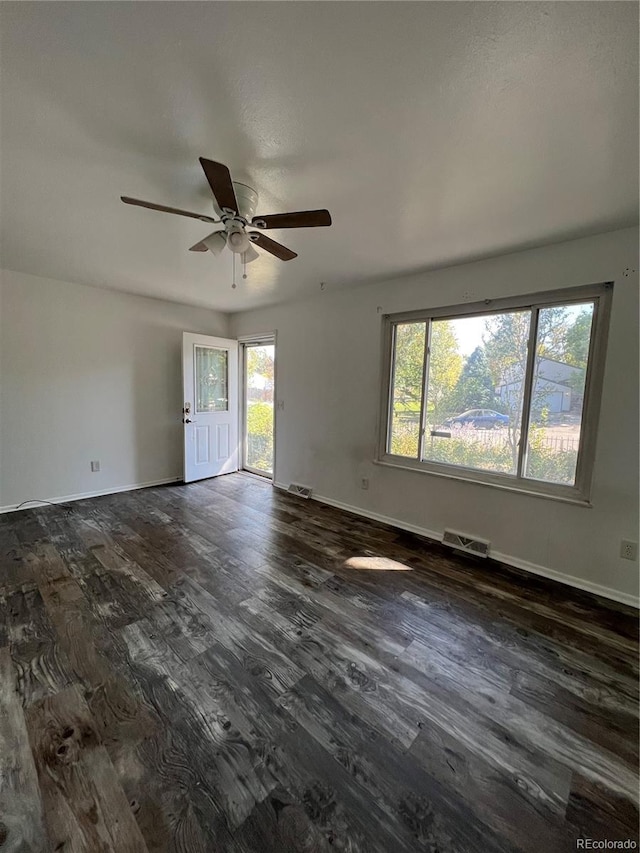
236,204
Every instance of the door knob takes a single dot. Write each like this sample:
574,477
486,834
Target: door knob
188,421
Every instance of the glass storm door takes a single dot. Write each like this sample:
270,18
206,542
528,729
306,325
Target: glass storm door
210,406
259,368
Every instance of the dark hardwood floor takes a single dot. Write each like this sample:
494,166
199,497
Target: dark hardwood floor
223,667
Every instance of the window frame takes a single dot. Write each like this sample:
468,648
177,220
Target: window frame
580,493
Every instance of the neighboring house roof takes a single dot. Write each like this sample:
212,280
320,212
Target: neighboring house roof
549,386
549,369
557,371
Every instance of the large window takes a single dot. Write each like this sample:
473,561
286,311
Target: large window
504,392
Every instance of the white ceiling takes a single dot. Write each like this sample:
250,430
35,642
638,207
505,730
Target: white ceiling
434,132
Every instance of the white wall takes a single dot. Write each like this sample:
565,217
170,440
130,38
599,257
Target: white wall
89,374
328,373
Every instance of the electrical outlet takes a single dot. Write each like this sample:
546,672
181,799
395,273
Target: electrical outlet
95,465
364,483
628,550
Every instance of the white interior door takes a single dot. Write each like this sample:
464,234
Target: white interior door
210,407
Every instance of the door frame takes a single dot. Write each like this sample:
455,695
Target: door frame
243,342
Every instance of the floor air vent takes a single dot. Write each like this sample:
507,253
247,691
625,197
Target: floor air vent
300,491
470,544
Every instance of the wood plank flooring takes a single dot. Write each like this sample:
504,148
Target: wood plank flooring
223,667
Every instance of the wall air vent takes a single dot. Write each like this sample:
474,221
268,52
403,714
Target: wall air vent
300,491
469,544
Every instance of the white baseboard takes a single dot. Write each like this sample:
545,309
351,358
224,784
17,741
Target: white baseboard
35,502
569,580
507,559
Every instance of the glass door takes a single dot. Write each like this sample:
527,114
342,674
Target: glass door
259,382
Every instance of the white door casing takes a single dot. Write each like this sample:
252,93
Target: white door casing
210,406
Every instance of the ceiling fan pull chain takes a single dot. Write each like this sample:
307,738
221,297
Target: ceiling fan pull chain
234,271
244,265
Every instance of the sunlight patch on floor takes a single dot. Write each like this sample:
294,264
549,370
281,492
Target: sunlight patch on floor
376,564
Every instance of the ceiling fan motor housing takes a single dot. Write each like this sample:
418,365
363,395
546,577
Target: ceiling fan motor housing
247,199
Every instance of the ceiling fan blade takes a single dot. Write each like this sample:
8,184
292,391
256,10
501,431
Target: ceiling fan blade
300,219
199,247
270,245
164,209
219,178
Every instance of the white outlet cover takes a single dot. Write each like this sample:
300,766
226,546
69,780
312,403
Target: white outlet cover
628,550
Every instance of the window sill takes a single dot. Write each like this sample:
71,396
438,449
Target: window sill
467,475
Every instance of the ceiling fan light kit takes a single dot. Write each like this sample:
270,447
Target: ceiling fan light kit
215,242
238,240
250,255
235,204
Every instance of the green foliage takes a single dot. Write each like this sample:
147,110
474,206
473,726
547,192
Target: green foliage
547,464
260,360
552,467
471,454
577,339
474,388
409,355
445,366
505,343
552,332
260,419
543,463
404,440
260,436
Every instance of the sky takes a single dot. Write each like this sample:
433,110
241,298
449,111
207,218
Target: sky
469,333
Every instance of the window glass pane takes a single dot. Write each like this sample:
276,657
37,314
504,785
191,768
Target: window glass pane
211,371
259,407
406,394
475,390
560,369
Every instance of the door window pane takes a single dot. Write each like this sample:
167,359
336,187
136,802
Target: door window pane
475,389
212,380
259,367
406,399
560,370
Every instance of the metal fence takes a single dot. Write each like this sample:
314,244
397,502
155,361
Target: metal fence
557,443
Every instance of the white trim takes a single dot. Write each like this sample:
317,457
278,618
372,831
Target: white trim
468,475
507,559
262,477
568,580
263,337
36,503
